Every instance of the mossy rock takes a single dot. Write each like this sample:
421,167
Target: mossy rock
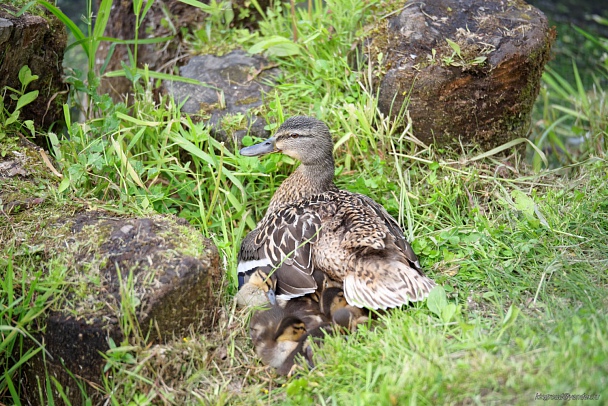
468,73
120,277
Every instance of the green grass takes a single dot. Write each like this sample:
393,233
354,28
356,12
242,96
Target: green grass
554,275
518,246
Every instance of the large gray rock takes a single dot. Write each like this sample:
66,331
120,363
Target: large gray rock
235,84
478,90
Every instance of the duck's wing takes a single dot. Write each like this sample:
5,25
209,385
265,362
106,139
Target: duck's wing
283,241
382,269
394,230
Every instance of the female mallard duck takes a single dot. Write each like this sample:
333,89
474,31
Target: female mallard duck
312,226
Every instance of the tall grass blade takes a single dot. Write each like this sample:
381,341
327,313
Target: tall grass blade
78,34
103,15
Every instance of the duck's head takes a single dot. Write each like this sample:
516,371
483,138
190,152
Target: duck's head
303,138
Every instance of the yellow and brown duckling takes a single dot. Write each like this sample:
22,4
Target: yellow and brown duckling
312,225
334,306
256,288
280,334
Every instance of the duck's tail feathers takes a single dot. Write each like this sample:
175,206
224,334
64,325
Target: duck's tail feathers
378,283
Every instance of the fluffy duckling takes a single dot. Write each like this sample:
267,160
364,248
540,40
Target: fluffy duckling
256,288
280,334
334,306
311,225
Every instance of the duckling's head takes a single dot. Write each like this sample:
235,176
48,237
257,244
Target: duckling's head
332,300
303,138
342,314
256,288
276,335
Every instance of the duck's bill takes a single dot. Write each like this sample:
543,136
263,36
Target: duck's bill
262,148
272,298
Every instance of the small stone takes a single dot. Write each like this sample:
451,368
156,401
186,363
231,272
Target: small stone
234,84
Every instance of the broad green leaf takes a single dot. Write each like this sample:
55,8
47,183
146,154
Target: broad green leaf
523,202
29,124
276,45
437,300
25,76
247,141
26,99
65,183
12,118
511,316
448,312
454,46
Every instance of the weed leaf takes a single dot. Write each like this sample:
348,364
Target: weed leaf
523,202
26,99
454,46
437,300
275,45
448,312
25,76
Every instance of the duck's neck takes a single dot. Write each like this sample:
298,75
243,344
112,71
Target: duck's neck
306,181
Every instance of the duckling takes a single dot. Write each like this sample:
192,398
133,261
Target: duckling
312,225
276,338
305,349
280,334
335,307
256,288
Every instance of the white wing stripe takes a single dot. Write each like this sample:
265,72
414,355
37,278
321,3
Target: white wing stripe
245,266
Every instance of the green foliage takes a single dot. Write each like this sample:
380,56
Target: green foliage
572,116
89,43
315,44
461,60
9,121
601,43
220,15
22,302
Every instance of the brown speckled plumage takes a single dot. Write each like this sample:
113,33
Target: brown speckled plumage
311,225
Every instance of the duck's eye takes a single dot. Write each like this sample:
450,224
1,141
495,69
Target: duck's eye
293,135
